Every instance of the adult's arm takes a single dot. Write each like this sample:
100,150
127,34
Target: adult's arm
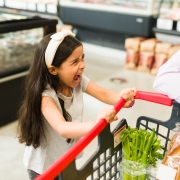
167,80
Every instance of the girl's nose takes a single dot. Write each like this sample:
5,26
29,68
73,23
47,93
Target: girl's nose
82,64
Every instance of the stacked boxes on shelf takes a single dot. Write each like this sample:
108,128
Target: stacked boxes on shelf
160,56
132,46
147,55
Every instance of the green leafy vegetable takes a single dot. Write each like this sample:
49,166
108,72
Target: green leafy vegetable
141,146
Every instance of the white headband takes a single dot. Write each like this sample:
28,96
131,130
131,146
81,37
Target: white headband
55,41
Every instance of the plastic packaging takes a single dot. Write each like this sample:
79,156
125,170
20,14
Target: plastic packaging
131,170
172,156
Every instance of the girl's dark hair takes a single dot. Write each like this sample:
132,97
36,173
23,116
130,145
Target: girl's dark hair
30,126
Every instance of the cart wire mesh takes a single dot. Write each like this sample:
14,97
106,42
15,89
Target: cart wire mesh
104,163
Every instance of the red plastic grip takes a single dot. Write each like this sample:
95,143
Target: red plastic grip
154,97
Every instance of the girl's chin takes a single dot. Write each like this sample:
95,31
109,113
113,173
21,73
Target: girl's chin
75,83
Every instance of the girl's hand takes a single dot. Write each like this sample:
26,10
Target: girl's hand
108,113
128,96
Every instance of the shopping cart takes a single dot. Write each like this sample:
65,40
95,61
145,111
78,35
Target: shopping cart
104,163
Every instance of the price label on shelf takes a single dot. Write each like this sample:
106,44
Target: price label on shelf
52,8
163,23
31,6
41,7
178,26
1,2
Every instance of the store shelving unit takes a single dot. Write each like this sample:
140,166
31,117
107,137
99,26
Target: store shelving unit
109,22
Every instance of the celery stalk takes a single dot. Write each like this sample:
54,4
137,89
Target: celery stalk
141,146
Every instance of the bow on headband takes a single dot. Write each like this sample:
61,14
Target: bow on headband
55,41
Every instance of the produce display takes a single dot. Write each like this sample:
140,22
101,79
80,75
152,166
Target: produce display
141,150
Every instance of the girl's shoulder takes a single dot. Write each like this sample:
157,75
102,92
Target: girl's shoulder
49,91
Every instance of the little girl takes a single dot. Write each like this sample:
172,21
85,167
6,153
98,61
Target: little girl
50,117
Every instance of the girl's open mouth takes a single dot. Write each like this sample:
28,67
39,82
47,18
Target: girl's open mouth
77,78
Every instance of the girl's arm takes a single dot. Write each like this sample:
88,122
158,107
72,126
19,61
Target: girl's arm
167,80
109,96
71,129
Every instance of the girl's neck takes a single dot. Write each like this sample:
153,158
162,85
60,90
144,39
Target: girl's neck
65,91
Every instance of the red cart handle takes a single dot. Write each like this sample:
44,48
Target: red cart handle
71,154
154,97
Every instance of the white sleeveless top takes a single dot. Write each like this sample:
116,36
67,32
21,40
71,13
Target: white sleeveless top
54,145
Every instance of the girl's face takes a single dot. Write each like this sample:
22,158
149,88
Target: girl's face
71,70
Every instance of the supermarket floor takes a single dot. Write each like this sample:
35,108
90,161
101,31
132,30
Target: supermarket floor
102,64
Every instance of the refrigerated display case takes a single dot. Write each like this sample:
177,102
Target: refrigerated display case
109,19
17,49
18,39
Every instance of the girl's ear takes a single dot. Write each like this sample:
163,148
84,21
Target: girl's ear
52,70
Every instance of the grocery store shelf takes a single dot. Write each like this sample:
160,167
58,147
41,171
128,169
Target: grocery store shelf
42,8
109,8
164,31
167,36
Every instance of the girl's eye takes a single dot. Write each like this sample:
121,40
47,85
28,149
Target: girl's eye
75,62
83,56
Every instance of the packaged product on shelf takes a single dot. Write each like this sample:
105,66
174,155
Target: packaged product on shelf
146,60
162,47
133,43
172,156
160,56
146,55
132,46
132,58
148,45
